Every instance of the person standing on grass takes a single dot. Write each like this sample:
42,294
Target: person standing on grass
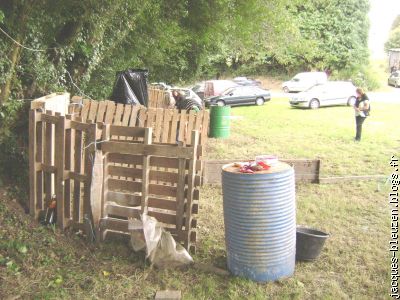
361,108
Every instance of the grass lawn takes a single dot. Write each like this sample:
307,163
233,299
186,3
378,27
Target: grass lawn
44,263
326,133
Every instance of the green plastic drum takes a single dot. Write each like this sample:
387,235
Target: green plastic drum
220,123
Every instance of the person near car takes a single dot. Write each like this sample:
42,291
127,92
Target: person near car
185,104
361,109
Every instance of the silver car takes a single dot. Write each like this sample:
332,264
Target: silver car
394,79
327,94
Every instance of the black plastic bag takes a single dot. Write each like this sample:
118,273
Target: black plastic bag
131,87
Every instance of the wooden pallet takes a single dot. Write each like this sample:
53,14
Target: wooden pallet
60,164
170,125
158,179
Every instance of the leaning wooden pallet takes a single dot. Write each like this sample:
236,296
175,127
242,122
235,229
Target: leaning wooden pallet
132,188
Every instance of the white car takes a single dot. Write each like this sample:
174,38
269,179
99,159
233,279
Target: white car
304,81
330,93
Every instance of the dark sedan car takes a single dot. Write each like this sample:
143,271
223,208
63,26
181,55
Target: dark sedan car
241,95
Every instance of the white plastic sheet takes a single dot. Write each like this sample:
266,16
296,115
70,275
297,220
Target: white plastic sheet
161,248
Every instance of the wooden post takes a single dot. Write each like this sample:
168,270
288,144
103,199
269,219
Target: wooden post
90,149
146,172
32,164
59,159
191,183
100,234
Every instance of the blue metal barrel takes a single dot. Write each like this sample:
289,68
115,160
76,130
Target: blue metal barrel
260,222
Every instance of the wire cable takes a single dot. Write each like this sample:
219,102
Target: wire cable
23,46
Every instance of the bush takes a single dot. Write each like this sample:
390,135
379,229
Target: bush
14,163
364,77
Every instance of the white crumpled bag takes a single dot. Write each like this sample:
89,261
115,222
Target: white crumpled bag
161,248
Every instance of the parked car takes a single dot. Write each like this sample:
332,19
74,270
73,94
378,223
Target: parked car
304,81
394,79
189,94
217,87
246,81
199,88
160,85
330,93
240,95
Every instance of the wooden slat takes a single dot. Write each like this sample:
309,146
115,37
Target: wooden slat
32,164
142,117
77,169
48,159
85,109
60,161
40,133
49,118
174,127
101,111
127,131
118,114
141,149
158,124
136,187
182,126
134,116
69,140
190,127
121,198
164,138
126,114
77,125
110,110
191,183
180,197
162,162
146,172
122,211
88,170
93,111
204,129
124,185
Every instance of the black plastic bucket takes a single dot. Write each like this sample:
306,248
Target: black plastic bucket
309,243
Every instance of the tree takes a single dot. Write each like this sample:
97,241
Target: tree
394,35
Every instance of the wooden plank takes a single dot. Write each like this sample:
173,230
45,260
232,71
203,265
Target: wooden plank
48,160
76,214
142,117
174,127
164,135
127,131
124,185
110,110
118,114
122,211
88,167
158,124
40,134
155,175
121,198
101,111
198,121
60,162
69,140
79,126
182,126
142,149
126,115
146,172
48,117
77,176
191,182
190,127
162,162
32,164
136,187
180,197
85,109
134,116
204,127
93,111
306,170
151,114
